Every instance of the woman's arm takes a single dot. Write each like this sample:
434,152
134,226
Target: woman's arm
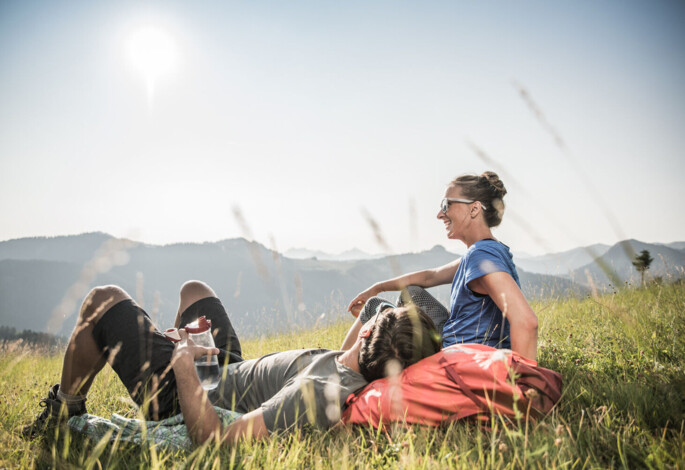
523,323
426,278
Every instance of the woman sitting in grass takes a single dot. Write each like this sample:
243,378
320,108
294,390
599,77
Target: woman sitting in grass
486,302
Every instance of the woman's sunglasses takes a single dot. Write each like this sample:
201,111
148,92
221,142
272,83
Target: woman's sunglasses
445,204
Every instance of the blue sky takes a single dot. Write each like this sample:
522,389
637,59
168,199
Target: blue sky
305,115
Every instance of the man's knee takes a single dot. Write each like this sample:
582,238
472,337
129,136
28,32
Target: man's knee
416,290
412,294
192,291
100,299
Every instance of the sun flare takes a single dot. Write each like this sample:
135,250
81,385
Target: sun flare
152,52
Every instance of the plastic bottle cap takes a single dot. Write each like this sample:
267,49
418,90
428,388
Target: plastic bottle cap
172,335
199,326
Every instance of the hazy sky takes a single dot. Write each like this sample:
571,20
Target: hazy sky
154,120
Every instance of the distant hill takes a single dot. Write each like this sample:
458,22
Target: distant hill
616,264
304,253
263,291
348,255
43,280
562,263
675,245
31,289
71,248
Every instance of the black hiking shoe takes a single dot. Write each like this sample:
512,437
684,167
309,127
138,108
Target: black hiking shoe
55,412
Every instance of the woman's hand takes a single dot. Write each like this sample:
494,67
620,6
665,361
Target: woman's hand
187,350
358,302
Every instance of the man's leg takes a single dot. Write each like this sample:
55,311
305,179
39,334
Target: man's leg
82,361
429,304
141,356
83,358
191,292
198,299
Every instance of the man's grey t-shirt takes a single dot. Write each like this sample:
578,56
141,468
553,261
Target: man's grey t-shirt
292,388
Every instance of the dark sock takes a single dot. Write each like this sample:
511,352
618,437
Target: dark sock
74,403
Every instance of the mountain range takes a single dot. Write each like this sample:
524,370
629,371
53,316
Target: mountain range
347,255
43,280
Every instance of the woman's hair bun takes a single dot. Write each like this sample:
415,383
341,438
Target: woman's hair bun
497,186
486,188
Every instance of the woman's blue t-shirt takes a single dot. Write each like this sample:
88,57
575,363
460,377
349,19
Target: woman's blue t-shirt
475,318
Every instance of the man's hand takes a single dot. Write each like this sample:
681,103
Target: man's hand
200,418
187,351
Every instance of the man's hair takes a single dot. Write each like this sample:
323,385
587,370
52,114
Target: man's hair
399,338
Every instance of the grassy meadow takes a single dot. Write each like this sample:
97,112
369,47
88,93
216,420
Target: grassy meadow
622,357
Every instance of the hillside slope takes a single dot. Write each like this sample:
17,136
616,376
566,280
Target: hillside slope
617,264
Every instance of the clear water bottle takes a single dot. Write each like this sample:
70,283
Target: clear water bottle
200,331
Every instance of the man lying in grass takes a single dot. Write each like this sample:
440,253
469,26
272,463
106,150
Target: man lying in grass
275,392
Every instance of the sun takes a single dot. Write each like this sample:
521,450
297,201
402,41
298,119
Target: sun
152,52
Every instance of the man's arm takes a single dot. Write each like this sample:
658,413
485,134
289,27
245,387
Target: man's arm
200,417
352,334
249,426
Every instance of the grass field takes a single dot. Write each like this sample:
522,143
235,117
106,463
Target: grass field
622,357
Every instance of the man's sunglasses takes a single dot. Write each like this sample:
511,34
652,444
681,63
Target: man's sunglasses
383,306
445,204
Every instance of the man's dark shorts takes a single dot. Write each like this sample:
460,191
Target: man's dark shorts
140,354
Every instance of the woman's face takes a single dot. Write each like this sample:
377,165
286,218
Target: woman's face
457,217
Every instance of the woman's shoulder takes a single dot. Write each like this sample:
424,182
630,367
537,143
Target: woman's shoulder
487,256
488,249
490,246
